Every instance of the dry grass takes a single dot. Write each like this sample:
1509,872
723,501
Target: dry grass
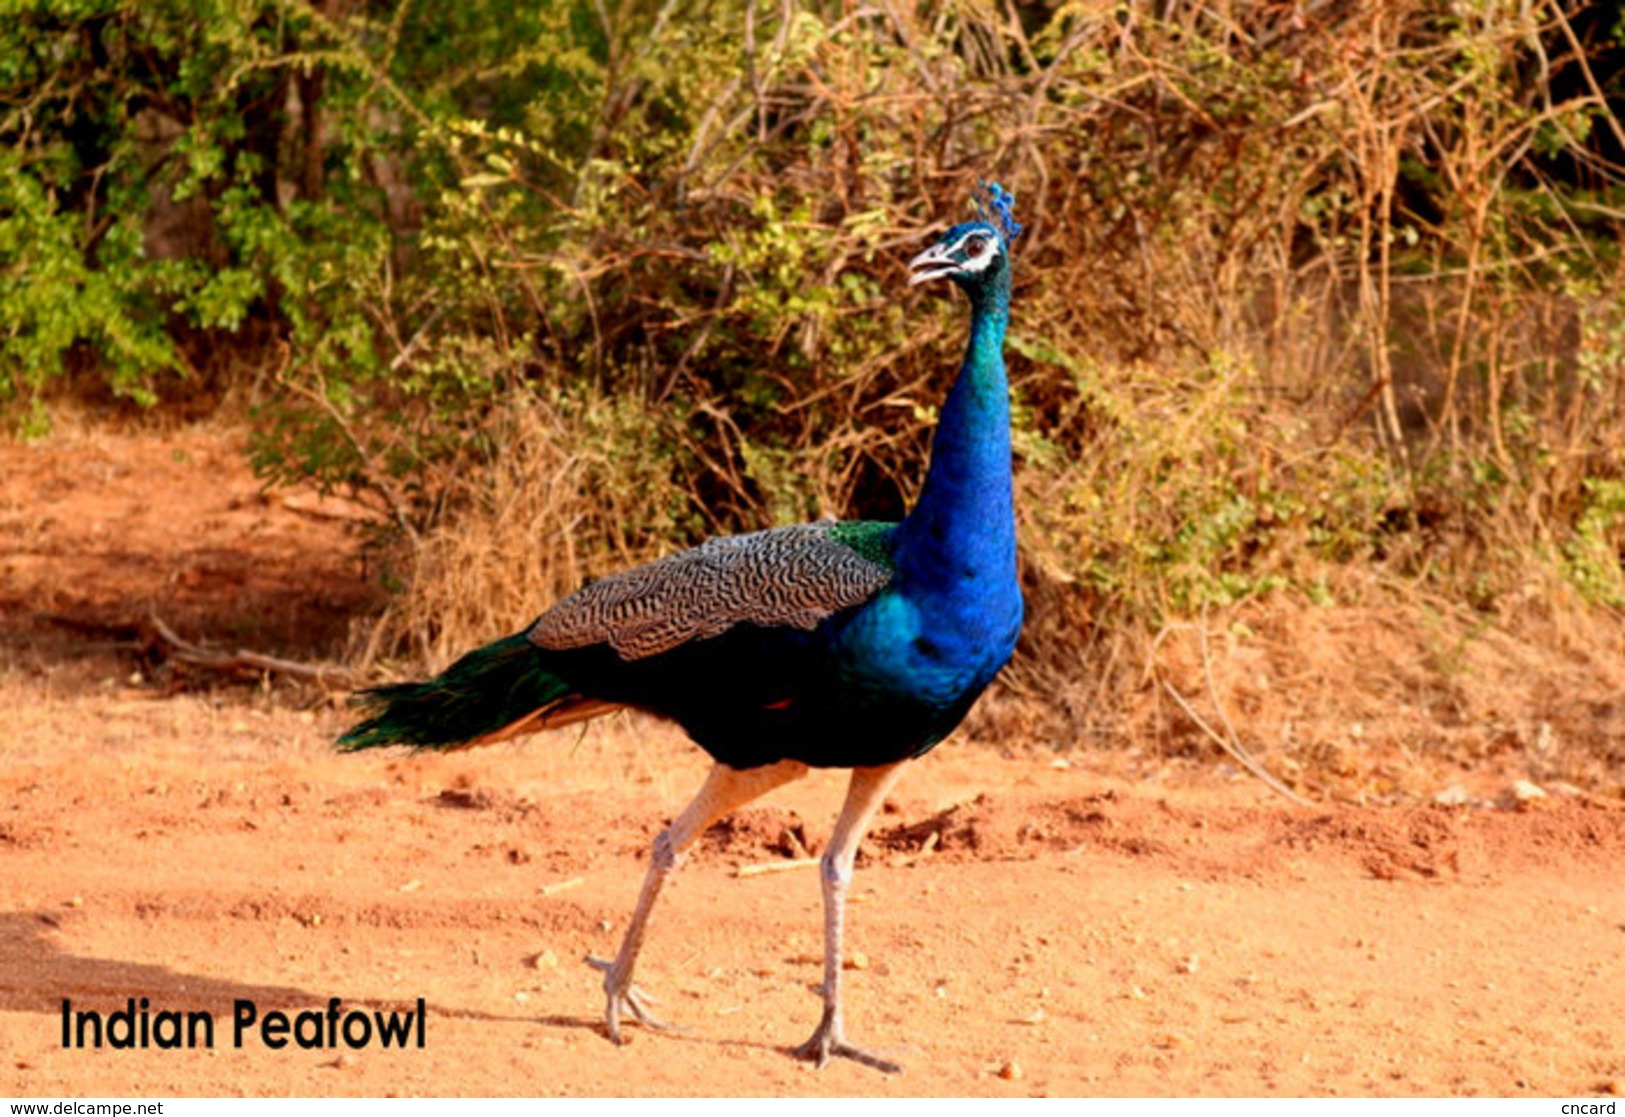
1404,692
568,497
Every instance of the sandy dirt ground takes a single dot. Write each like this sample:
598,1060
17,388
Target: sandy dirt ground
1022,923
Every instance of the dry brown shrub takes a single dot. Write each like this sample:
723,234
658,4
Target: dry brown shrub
574,491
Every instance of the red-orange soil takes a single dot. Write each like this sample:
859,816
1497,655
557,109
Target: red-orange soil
1021,925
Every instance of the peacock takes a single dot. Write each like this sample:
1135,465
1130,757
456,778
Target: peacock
856,644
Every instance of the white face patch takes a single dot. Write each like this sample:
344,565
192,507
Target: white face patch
979,246
980,249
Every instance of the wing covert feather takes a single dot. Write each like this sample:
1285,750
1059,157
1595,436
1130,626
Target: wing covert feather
793,576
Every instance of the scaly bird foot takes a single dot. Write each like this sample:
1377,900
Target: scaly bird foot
828,1043
625,997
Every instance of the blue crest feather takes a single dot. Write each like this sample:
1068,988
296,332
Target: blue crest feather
996,206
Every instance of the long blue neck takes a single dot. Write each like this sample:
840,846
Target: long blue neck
961,536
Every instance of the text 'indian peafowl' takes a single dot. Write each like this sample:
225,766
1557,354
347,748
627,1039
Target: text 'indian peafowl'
828,645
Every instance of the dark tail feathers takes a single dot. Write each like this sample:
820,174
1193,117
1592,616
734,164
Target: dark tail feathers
478,696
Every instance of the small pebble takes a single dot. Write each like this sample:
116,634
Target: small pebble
1522,796
1010,1071
1453,796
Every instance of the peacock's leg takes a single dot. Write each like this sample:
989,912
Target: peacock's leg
726,789
863,798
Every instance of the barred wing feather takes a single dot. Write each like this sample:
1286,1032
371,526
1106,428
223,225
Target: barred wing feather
793,576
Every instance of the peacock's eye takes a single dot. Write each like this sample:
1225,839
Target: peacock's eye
976,246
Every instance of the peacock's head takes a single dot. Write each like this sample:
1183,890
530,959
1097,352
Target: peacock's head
974,254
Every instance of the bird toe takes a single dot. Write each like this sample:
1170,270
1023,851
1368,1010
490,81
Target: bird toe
827,1044
624,997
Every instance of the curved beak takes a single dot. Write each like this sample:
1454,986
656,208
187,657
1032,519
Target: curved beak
933,263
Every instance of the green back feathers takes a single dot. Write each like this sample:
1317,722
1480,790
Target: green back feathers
869,538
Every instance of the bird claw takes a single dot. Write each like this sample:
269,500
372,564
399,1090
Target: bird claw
828,1043
625,998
